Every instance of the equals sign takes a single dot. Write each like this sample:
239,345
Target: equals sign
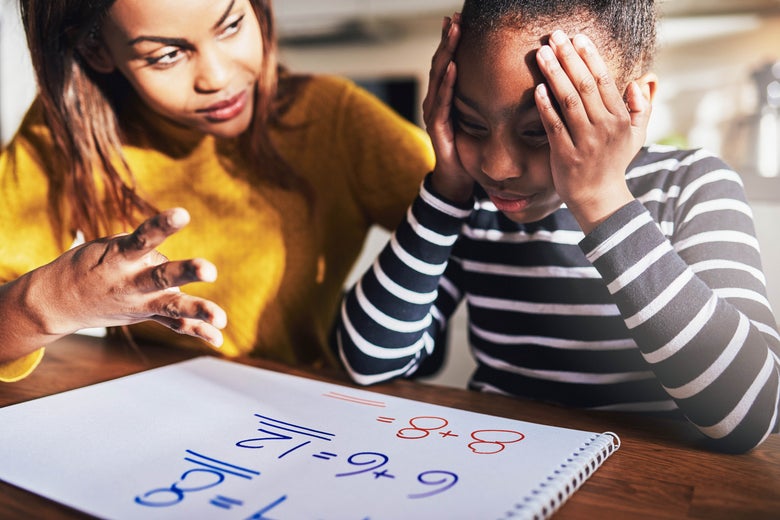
225,502
387,420
326,455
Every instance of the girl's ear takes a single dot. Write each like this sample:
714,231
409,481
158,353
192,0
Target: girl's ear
647,84
96,55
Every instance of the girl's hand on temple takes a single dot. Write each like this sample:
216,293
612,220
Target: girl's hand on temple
594,132
449,177
123,280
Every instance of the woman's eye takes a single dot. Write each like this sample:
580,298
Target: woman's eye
167,59
232,28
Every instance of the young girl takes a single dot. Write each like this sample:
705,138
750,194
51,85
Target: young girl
597,273
179,104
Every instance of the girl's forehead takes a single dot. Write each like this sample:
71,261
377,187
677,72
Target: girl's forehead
501,51
518,45
535,33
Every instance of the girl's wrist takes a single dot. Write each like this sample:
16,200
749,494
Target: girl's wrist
451,188
591,214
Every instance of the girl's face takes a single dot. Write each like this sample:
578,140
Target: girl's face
195,62
498,131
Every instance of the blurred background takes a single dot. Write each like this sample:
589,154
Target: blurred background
719,88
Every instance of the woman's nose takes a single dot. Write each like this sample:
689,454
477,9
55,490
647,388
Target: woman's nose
212,71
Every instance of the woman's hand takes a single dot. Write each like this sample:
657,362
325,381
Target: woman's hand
594,133
449,177
123,280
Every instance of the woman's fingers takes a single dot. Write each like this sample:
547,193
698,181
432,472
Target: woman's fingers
190,315
168,275
153,232
196,328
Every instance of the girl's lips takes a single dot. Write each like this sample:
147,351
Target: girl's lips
512,205
226,110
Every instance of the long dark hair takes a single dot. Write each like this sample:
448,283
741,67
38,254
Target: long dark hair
92,186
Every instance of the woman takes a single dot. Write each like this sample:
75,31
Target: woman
181,104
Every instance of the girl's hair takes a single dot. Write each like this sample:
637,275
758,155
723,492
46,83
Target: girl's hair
92,185
626,28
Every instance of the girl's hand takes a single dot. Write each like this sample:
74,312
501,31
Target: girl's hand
123,280
449,177
597,133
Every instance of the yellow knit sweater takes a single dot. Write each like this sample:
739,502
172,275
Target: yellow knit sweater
281,263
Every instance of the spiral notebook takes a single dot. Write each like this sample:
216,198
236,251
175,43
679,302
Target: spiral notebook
209,438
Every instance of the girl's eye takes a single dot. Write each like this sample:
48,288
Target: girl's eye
232,28
167,59
535,136
467,125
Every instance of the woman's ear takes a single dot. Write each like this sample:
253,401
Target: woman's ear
647,84
94,52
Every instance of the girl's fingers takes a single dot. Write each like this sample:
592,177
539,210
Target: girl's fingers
605,85
444,96
441,58
152,233
557,133
560,87
585,88
639,109
439,123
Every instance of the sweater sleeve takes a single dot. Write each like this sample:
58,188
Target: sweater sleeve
693,296
390,317
27,239
389,156
20,368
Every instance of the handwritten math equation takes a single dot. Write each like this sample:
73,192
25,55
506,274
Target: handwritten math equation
284,442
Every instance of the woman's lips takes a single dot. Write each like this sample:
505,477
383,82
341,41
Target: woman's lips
510,205
226,110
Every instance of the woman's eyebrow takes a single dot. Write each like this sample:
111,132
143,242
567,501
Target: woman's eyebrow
225,14
174,42
180,42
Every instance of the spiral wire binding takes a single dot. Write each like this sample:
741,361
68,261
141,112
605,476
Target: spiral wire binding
543,501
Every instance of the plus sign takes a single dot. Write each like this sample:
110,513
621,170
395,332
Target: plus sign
448,433
383,473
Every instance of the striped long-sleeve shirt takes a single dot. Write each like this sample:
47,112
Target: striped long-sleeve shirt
660,309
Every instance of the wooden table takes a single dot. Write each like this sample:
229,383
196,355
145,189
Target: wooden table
660,471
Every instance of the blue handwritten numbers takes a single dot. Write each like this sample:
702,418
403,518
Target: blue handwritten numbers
278,446
211,473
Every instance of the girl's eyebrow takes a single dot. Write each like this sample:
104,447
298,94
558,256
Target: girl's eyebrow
526,103
180,42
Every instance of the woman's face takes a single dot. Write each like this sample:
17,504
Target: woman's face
195,62
498,131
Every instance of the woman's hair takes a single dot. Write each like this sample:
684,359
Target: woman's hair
92,186
626,29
